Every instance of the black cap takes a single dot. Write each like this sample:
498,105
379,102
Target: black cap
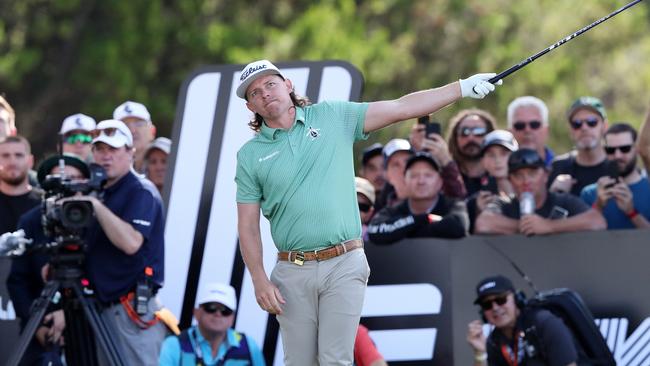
525,158
493,285
421,156
499,137
48,164
370,152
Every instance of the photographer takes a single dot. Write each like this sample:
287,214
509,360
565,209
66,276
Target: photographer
521,335
126,240
25,281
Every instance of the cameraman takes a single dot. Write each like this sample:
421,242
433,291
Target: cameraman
521,335
25,281
126,240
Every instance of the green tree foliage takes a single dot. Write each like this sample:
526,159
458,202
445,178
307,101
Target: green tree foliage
65,56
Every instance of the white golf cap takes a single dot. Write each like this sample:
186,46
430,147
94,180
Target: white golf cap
131,109
77,121
121,136
217,292
161,143
253,71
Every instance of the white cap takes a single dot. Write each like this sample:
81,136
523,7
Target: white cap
122,136
217,292
394,146
131,109
161,143
253,71
77,121
364,187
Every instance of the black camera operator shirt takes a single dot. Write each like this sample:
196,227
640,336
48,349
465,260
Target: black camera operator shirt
550,343
112,272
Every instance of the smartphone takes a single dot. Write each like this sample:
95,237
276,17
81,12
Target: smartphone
430,126
612,172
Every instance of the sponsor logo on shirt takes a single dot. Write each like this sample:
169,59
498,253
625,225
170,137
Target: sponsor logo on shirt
269,156
141,222
313,133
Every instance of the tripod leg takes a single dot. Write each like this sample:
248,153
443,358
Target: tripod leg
38,311
102,334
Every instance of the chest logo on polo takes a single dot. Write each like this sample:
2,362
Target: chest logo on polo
269,156
313,133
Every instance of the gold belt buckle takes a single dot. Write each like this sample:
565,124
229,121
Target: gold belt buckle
299,259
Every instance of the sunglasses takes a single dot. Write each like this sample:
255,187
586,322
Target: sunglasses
474,131
521,125
364,207
110,131
213,307
610,150
487,304
592,122
78,137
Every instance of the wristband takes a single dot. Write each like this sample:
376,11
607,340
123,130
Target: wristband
632,214
595,206
480,357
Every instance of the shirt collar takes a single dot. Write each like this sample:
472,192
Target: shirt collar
269,132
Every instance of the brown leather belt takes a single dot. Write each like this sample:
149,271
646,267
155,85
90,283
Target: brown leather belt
299,258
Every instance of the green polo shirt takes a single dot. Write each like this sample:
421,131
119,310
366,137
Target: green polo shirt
303,177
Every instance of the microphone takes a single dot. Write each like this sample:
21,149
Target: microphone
13,244
526,203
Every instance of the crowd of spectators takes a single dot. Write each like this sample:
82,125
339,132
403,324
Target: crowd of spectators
509,181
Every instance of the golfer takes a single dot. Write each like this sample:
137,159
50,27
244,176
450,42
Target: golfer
299,170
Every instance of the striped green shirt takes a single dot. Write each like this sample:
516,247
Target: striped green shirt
303,177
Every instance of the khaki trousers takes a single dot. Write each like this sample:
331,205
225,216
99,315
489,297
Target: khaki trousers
322,310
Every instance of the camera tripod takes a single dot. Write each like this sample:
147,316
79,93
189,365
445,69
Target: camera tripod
81,332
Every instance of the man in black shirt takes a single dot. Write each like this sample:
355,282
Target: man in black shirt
576,169
521,335
425,212
549,212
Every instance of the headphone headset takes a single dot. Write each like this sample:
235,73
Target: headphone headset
520,303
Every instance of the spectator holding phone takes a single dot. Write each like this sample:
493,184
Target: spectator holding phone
497,147
536,211
425,136
623,196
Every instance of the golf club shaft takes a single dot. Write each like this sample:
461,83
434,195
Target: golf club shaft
532,58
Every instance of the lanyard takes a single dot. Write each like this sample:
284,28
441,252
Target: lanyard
511,356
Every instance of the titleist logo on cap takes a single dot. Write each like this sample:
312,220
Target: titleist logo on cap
487,286
251,70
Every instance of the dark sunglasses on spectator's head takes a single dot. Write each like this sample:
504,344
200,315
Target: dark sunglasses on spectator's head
609,150
213,307
364,207
592,122
521,125
487,304
78,137
474,131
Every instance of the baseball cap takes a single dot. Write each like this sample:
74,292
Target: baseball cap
217,292
48,164
364,187
493,285
421,156
77,121
252,72
161,143
394,146
114,133
524,158
370,152
591,103
131,109
499,137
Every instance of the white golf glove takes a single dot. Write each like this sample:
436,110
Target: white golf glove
477,86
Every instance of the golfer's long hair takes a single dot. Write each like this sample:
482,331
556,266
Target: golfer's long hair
299,101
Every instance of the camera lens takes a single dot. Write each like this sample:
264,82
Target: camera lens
76,214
